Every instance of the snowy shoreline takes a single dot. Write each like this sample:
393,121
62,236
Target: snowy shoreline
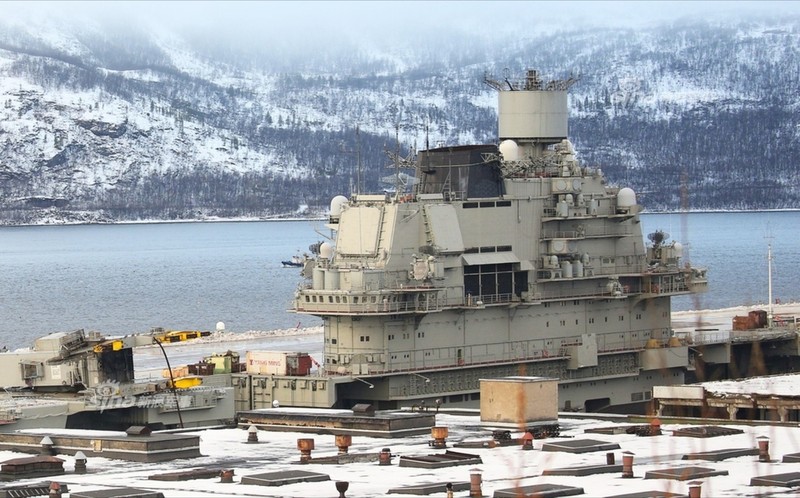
323,217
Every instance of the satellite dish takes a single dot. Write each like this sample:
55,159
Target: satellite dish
220,326
658,237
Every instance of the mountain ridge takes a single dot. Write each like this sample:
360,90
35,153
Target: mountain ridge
692,116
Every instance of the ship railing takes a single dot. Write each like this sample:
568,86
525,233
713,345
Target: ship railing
669,282
618,231
676,287
634,341
665,287
488,299
757,335
590,271
785,320
550,295
611,270
350,304
443,188
715,336
455,195
597,293
700,337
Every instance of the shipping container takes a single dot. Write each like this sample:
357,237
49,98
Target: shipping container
277,363
266,362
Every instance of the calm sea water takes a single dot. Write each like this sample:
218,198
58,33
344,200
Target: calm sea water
734,248
121,279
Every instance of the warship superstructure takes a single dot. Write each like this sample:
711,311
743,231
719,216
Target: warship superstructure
507,259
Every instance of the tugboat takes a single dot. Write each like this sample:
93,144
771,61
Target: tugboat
297,261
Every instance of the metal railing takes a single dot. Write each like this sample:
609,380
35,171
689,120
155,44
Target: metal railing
333,303
619,231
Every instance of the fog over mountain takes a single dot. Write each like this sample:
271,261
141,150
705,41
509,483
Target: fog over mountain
188,110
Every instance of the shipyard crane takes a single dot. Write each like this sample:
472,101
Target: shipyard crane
157,334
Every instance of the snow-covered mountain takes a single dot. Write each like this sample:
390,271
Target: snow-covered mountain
133,122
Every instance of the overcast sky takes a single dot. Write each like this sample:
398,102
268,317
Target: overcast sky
370,18
400,14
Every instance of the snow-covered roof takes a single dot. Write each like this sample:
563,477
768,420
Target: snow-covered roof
502,467
773,385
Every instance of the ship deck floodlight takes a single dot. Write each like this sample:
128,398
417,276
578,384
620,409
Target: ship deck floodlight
426,379
371,386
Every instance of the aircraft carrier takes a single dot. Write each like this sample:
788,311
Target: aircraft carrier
505,259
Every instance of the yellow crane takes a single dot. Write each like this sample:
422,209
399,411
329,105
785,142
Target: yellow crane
181,335
160,335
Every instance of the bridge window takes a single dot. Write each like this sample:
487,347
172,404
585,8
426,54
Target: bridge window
494,280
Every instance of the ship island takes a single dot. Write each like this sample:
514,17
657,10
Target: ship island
504,260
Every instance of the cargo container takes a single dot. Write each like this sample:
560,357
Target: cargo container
277,363
756,319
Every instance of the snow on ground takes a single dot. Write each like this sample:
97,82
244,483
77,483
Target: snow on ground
775,385
722,319
502,467
149,361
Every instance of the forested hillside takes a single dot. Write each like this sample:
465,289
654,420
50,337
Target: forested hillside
124,124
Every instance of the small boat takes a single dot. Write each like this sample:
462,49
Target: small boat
296,262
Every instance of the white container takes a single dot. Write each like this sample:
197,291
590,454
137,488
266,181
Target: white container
566,269
266,362
577,269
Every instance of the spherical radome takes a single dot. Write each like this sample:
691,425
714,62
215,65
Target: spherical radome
336,205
